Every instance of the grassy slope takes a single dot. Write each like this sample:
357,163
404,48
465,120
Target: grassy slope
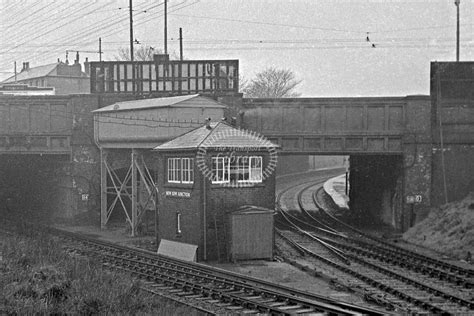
449,229
37,277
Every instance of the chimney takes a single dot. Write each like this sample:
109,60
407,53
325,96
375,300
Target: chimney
87,68
76,61
208,123
26,66
161,58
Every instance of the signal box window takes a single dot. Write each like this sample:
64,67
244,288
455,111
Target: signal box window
220,169
242,169
180,170
255,169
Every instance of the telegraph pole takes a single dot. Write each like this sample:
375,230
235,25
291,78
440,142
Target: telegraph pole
100,49
131,30
180,44
166,28
457,3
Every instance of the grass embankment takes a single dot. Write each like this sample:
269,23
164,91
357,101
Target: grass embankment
448,229
38,277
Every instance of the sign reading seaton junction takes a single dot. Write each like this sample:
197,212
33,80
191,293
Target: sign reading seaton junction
178,194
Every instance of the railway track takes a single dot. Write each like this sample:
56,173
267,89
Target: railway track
431,266
409,283
208,289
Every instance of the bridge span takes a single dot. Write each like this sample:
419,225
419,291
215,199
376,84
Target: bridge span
330,125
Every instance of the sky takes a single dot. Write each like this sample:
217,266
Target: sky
337,48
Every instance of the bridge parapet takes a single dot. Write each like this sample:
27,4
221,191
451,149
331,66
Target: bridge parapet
330,125
41,144
35,125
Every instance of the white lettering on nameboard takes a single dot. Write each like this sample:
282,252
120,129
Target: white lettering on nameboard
178,194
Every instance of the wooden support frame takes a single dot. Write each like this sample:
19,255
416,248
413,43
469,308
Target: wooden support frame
116,72
139,175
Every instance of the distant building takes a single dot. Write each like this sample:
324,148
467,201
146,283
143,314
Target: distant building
64,78
24,89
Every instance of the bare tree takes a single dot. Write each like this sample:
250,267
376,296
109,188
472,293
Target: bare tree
271,83
142,53
243,83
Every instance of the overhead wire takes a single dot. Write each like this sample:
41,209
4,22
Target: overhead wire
76,14
268,44
52,30
13,4
269,41
19,11
19,27
23,31
106,27
318,27
287,46
73,13
106,24
94,27
151,17
410,29
31,15
270,23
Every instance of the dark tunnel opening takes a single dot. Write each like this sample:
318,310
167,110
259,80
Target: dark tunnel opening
375,189
30,185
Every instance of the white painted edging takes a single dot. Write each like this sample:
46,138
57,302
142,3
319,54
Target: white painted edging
340,198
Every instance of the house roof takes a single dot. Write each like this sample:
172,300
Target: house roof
179,101
218,135
34,72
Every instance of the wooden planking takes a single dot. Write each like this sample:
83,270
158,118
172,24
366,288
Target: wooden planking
246,230
174,77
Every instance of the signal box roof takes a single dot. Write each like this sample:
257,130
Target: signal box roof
217,136
194,100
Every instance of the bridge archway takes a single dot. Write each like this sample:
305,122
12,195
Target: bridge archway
34,186
376,190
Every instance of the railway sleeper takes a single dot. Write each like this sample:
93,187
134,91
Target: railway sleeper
419,257
234,308
277,304
405,262
254,297
264,300
416,283
193,296
181,293
288,307
236,292
305,311
250,311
